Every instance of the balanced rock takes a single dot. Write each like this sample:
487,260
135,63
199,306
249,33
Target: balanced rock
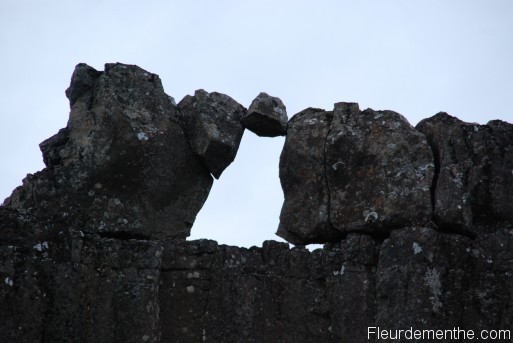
92,248
123,156
266,116
213,126
347,171
474,182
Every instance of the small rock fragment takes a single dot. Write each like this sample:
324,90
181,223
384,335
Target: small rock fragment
266,116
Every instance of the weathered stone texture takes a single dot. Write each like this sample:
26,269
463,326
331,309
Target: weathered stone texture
74,286
92,248
266,116
474,183
379,171
347,171
122,165
304,215
213,126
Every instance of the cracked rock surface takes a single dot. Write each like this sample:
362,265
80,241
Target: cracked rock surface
93,249
304,215
474,184
348,170
213,126
122,165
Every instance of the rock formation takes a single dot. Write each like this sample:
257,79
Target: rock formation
213,126
417,225
266,116
122,166
473,187
346,171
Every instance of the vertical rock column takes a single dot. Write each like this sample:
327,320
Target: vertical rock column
474,183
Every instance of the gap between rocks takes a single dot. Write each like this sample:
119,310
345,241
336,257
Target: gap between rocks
243,207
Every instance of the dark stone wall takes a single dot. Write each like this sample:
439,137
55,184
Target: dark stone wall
416,224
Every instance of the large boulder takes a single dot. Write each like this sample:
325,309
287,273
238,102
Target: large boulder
379,171
304,217
213,127
474,180
266,116
347,170
123,156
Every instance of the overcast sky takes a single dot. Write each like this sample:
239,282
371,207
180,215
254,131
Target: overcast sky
414,57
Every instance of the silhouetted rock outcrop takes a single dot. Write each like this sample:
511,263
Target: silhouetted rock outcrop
417,225
122,165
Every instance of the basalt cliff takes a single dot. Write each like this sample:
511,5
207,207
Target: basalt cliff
416,222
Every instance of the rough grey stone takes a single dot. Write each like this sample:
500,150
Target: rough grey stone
422,274
304,217
213,126
83,81
64,279
474,182
72,286
266,116
347,171
123,156
379,171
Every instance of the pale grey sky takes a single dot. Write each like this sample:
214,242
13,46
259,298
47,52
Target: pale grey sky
414,57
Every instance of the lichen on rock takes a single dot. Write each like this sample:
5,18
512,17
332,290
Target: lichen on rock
348,170
417,224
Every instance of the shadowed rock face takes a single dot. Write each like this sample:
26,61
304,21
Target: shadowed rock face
213,126
346,171
474,184
122,166
93,249
305,213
